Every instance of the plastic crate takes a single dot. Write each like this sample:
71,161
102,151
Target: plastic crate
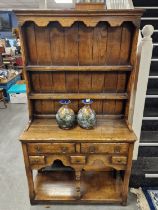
17,94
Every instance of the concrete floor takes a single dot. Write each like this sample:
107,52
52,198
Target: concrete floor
13,183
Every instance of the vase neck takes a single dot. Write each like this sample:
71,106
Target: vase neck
87,101
87,105
65,101
65,105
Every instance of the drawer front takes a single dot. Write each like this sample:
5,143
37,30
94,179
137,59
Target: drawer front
50,148
119,160
36,160
111,148
77,159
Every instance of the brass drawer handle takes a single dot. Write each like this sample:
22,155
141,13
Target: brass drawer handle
119,160
35,161
78,159
117,149
64,149
92,149
38,149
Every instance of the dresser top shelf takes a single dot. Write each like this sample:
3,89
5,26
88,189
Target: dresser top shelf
71,10
90,17
106,130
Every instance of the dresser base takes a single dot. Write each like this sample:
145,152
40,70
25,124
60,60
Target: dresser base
92,168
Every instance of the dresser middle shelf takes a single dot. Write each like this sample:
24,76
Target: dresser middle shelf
79,68
97,96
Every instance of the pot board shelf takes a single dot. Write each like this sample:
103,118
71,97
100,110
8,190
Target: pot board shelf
55,187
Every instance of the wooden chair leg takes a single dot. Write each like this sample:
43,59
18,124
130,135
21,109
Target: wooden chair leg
2,106
5,103
2,98
124,203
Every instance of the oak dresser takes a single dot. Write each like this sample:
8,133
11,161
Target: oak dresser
77,54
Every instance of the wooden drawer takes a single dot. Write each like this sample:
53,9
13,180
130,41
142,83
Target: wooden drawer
78,159
50,148
119,160
111,148
36,160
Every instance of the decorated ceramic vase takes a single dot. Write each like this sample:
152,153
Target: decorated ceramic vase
65,116
86,117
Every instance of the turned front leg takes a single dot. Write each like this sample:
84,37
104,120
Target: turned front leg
78,183
127,176
28,173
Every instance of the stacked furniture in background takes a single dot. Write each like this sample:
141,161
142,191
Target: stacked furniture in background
1,58
6,84
10,68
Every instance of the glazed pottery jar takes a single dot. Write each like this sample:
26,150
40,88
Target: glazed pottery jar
86,117
65,116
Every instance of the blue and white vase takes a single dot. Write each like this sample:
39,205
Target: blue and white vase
65,116
86,117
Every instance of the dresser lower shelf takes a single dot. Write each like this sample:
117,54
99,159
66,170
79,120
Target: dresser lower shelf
96,187
106,130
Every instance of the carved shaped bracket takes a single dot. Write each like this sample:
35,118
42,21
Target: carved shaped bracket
93,162
88,21
98,162
48,160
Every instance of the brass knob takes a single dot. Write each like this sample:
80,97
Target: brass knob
92,149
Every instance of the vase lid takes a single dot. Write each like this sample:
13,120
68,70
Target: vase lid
65,101
87,101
